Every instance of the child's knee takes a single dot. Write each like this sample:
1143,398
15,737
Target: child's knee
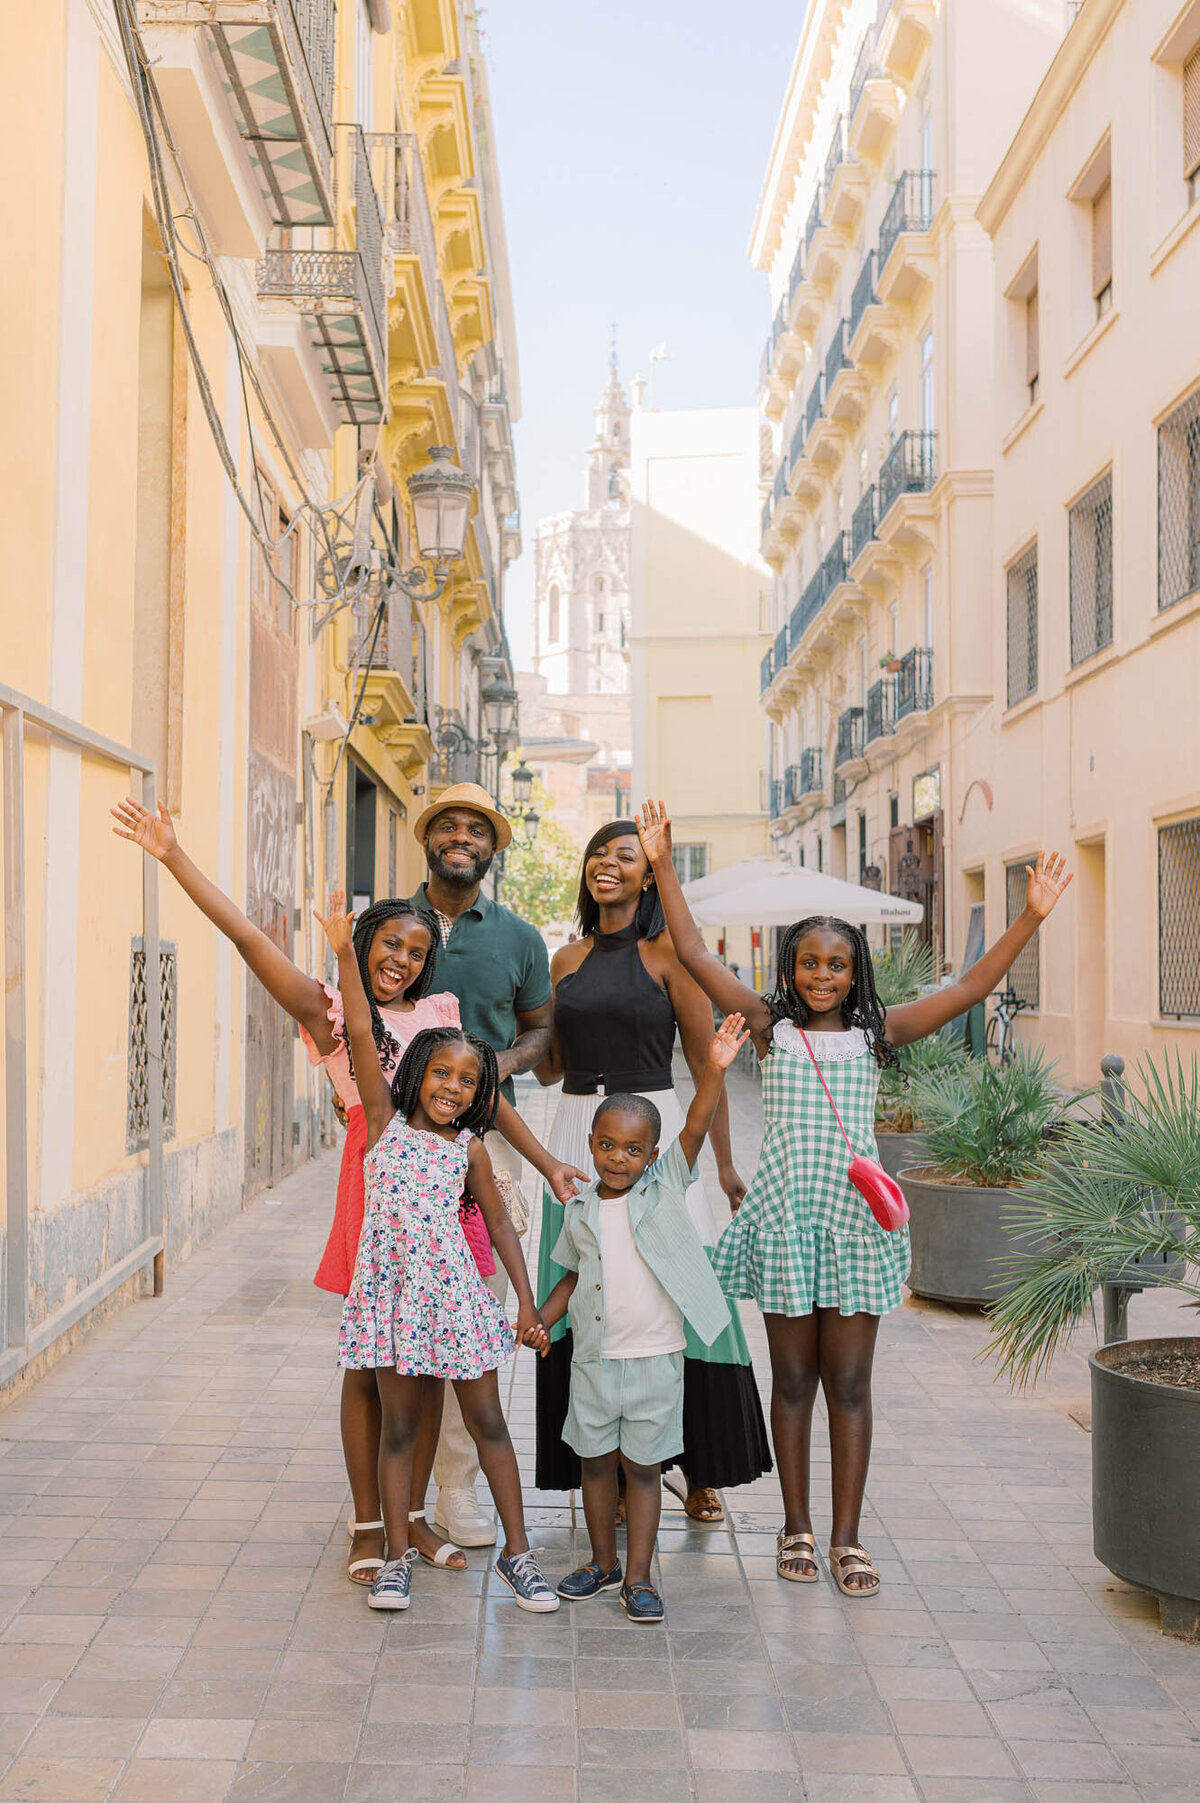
848,1389
794,1384
486,1424
642,1475
397,1433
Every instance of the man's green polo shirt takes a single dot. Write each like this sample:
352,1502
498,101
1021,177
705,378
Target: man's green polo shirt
497,966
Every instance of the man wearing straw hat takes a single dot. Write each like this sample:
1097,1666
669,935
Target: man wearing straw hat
496,964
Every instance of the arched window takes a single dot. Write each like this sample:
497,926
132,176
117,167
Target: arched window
553,627
598,585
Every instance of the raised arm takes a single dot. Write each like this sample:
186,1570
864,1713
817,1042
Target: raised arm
1045,882
374,1090
719,984
693,1014
723,1048
298,995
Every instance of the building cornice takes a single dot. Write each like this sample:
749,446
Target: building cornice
1060,81
794,128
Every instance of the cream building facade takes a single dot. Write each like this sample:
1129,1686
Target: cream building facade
698,605
238,326
1092,741
877,385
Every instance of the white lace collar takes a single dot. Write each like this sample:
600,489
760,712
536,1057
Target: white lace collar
828,1048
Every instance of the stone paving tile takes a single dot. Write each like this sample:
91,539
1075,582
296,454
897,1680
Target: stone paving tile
175,1625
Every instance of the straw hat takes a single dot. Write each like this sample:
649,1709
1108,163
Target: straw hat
465,795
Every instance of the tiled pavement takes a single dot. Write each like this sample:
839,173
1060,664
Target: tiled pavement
175,1625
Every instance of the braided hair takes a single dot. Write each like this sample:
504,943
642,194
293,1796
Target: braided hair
651,921
406,1084
365,928
862,1006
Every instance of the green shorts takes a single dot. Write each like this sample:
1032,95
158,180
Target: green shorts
635,1405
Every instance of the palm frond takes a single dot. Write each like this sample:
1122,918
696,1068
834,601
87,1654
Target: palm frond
987,1123
903,970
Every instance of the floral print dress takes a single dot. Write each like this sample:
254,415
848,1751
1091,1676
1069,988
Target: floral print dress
417,1302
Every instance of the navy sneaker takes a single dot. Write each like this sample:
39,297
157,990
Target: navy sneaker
642,1603
390,1589
589,1580
523,1575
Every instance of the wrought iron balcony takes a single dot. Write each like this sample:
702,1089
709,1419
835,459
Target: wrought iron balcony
810,771
881,704
796,447
765,673
796,274
340,292
791,785
862,523
276,61
779,488
850,735
835,357
909,210
834,563
767,509
814,221
781,649
776,797
908,468
914,682
866,68
836,154
812,411
808,606
863,294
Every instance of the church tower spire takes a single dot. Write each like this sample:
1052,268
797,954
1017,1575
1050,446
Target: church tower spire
608,453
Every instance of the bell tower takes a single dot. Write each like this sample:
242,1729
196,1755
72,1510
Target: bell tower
608,453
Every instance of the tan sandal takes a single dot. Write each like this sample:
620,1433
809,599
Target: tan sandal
846,1562
701,1504
793,1551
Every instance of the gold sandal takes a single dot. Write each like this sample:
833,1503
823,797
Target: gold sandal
846,1562
794,1550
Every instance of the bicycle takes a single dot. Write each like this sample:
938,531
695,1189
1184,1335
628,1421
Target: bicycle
1000,1039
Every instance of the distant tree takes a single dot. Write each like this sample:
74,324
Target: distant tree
541,880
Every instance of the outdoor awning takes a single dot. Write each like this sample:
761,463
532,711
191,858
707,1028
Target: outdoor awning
764,892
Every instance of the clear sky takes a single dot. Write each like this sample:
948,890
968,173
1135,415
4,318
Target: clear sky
632,137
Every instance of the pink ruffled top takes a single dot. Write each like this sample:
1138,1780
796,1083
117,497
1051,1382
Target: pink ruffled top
404,1025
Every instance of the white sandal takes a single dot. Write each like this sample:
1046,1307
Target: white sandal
441,1559
374,1564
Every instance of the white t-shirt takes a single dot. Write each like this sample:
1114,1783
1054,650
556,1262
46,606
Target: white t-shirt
640,1320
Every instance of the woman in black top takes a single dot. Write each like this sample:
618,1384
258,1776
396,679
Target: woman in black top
619,994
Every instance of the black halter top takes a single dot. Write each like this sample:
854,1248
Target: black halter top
616,1025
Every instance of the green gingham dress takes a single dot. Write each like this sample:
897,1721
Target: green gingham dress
804,1238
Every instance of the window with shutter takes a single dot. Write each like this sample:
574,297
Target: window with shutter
1191,114
1031,344
1102,248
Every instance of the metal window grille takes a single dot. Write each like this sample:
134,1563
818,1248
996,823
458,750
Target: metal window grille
1191,113
1179,503
1091,559
1022,626
1025,977
137,1107
691,860
1179,919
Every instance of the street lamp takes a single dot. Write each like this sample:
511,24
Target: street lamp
441,503
522,783
530,821
499,708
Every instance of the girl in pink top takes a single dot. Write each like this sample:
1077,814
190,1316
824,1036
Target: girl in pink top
396,948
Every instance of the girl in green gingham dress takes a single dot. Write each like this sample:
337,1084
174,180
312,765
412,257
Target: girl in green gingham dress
804,1244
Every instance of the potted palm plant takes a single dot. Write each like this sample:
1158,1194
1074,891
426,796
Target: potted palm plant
1116,1198
904,971
985,1128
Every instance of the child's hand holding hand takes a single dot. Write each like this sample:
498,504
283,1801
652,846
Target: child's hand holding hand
531,1330
339,927
728,1041
654,831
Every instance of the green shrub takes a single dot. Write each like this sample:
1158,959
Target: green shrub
986,1123
904,971
896,1106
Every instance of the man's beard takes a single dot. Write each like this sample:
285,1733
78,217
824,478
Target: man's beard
458,876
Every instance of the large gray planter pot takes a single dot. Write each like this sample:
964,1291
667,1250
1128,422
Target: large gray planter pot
898,1149
958,1236
1146,1481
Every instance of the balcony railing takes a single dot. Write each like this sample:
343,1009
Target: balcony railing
810,771
835,357
776,797
914,682
791,786
908,468
796,275
814,220
796,447
862,524
866,68
392,647
807,607
812,411
779,488
835,156
781,649
765,672
767,508
834,563
909,210
881,703
850,735
863,293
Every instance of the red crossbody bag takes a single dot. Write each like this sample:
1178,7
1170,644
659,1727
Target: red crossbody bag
880,1192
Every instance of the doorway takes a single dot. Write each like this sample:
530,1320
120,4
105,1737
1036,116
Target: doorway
1091,958
361,806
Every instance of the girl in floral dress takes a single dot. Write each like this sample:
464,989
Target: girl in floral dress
417,1306
804,1244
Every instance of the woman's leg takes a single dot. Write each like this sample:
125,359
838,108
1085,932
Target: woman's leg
599,1485
793,1344
643,1507
400,1400
427,1540
847,1351
360,1447
479,1400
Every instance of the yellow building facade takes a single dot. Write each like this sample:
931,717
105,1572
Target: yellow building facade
262,273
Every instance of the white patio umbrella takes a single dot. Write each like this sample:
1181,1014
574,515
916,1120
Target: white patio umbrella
775,894
733,876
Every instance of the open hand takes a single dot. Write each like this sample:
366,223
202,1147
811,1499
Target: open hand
728,1041
1045,882
339,927
564,1181
654,831
136,823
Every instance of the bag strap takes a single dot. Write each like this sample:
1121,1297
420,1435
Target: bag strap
837,1117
